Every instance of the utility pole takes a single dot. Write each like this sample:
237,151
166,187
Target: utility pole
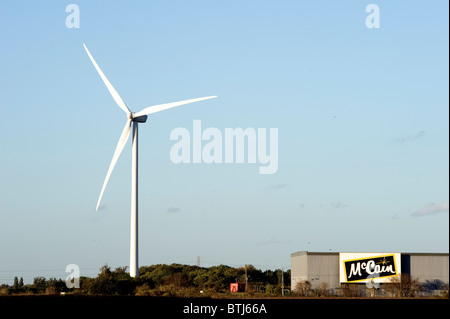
282,281
246,279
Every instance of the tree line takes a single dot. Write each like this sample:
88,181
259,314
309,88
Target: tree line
161,280
194,281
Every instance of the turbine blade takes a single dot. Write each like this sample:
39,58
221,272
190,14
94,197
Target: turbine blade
108,84
162,107
120,145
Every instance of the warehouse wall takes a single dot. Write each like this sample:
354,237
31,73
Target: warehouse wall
299,270
316,268
429,267
323,268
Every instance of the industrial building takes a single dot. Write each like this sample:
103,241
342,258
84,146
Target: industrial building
336,270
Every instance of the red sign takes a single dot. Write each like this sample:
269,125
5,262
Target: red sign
237,287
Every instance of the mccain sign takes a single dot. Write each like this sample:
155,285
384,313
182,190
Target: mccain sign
368,267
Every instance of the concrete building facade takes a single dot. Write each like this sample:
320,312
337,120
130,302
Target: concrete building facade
338,269
426,266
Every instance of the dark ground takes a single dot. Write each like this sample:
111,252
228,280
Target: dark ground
169,307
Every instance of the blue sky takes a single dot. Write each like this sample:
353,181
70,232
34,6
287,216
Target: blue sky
362,116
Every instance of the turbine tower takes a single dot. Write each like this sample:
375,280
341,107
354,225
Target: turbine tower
133,119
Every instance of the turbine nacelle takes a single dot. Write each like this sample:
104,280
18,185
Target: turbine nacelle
132,117
139,119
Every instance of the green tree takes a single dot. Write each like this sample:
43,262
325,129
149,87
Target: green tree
16,283
198,277
108,282
39,284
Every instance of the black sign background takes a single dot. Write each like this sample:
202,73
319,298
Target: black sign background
386,261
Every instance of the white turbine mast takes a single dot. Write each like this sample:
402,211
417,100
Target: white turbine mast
132,118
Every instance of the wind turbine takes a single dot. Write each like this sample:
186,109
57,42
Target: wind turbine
133,119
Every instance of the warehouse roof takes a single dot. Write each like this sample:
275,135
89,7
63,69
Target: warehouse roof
304,252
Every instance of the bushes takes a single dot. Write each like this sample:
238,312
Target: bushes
350,290
444,293
4,291
40,285
402,286
143,290
430,286
303,288
117,282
